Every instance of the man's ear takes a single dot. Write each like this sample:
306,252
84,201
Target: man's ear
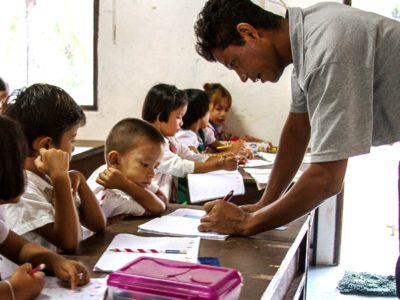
247,31
113,159
42,142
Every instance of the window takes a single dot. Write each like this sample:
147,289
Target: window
53,42
387,8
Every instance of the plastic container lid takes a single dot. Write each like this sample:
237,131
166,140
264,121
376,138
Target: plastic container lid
175,279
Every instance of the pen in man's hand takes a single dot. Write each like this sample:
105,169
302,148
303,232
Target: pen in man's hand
229,196
37,269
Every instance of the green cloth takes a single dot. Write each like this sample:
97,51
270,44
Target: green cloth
363,283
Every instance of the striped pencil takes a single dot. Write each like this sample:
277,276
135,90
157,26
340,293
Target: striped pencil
130,250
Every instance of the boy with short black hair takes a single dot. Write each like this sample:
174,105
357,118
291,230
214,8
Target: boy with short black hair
123,186
55,201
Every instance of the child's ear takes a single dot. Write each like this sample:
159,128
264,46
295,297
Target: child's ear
113,158
42,142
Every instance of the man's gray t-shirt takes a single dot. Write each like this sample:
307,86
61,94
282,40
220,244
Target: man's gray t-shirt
346,76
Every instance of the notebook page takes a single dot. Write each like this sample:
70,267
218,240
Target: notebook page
111,260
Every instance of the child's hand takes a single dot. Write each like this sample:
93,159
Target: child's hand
25,285
75,178
72,272
230,163
52,162
112,178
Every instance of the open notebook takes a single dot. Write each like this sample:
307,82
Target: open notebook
213,185
182,222
126,247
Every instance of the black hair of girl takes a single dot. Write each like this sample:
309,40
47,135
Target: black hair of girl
3,85
44,110
161,100
12,156
198,103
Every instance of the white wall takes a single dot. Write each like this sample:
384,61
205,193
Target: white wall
143,42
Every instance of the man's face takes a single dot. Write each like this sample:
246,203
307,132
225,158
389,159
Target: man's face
257,59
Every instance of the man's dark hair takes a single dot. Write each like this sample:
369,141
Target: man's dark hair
3,85
12,156
123,135
44,110
161,100
215,27
197,107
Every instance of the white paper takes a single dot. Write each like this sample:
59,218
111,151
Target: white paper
111,261
213,185
261,176
253,163
182,222
94,290
270,157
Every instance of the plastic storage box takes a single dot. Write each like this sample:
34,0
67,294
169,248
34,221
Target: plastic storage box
148,278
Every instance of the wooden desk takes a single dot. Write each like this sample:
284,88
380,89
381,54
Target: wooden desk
89,155
273,264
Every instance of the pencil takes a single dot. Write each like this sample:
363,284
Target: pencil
224,146
37,269
130,250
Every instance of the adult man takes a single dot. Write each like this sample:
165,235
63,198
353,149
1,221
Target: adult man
345,89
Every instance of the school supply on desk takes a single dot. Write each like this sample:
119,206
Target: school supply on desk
261,176
56,290
224,146
37,269
255,163
182,222
270,157
112,260
214,185
163,279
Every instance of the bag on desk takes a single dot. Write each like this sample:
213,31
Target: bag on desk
156,278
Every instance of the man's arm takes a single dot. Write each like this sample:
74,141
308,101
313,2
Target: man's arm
292,146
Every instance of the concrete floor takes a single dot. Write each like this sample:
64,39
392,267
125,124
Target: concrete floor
370,209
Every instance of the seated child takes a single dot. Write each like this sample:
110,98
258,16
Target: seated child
21,284
49,213
123,186
220,105
195,121
164,107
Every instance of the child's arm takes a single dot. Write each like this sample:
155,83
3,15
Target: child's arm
229,163
91,214
65,232
114,179
19,250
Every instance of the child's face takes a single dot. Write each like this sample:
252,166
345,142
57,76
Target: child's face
204,120
139,164
220,111
174,121
68,139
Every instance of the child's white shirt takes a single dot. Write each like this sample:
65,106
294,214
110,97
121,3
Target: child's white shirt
209,135
115,202
4,229
188,137
34,210
178,164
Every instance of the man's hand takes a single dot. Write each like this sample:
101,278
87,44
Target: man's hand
224,217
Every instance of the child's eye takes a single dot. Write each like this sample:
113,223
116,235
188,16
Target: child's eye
144,164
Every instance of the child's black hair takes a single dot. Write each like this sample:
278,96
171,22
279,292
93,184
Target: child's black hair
122,136
198,103
161,100
12,156
44,110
